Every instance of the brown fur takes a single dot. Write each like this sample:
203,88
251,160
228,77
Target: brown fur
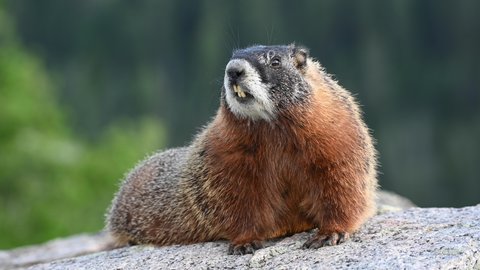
246,181
307,169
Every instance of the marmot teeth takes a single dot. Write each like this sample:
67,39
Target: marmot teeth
238,89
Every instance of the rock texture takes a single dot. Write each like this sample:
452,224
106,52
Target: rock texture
54,250
415,238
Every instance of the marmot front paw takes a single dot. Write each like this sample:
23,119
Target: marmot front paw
242,249
323,240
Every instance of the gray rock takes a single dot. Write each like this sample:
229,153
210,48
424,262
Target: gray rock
388,202
54,250
433,238
416,238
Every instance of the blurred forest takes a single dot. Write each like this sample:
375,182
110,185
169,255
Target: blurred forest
87,88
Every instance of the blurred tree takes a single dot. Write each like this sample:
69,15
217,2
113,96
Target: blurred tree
51,182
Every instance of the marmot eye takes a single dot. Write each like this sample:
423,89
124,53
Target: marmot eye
275,62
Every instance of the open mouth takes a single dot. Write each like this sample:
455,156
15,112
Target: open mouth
240,92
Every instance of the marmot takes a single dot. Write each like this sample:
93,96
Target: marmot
286,152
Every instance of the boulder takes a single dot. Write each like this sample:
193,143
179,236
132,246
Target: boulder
399,237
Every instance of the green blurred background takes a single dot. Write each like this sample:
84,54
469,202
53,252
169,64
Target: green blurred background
88,88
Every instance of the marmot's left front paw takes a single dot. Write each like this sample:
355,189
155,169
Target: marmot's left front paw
323,240
247,248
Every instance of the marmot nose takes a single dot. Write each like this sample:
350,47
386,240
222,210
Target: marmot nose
235,72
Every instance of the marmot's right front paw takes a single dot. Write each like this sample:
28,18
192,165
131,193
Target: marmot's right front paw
247,248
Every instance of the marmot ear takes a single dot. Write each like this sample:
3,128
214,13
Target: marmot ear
300,55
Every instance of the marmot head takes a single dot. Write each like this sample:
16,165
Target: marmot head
262,81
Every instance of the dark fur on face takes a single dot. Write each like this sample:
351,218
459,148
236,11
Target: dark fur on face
281,69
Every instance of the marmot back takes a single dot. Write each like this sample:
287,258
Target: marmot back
286,152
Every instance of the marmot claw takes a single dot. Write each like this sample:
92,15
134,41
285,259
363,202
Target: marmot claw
242,249
323,240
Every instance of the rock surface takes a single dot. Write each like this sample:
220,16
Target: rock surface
55,249
416,238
